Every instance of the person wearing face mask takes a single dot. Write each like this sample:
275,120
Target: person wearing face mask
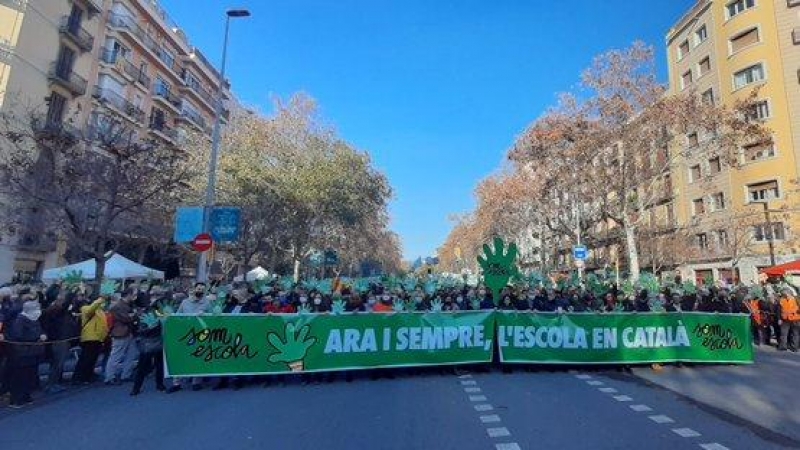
460,302
25,356
319,304
385,305
485,297
197,303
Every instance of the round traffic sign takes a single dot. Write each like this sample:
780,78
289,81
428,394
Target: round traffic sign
202,242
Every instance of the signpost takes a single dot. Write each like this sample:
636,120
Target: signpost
224,224
202,242
580,253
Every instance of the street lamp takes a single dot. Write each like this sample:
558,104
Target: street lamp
202,266
768,230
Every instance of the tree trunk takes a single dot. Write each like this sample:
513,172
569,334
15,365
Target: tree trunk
633,252
296,269
99,273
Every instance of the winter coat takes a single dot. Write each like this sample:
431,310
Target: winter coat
122,320
94,326
24,329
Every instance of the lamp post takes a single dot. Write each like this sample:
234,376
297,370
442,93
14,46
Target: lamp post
202,265
769,232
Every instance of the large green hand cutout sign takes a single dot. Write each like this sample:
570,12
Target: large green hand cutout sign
293,347
498,266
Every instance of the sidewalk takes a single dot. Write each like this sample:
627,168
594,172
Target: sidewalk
766,393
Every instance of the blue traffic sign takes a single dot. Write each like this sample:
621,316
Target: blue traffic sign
580,252
224,224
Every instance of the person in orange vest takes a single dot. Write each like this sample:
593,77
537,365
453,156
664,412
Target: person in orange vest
789,320
760,319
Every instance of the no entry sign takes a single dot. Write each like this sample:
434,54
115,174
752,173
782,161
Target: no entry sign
202,242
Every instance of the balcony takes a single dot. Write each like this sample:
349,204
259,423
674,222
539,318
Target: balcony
127,26
164,95
161,129
42,126
117,102
796,36
72,31
199,92
63,76
125,67
195,119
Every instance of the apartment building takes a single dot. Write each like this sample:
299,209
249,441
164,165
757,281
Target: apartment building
68,61
724,51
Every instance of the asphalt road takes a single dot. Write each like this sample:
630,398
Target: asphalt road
542,410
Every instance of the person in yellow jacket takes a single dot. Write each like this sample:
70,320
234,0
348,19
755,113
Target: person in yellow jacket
94,330
789,321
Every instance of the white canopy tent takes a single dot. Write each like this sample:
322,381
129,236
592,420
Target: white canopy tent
259,273
118,267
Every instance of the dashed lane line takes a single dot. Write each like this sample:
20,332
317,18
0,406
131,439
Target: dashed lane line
713,446
507,446
685,432
641,408
477,398
498,432
484,407
491,418
661,419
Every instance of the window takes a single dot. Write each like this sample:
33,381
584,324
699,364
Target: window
708,97
718,201
714,165
759,111
722,238
700,35
744,40
162,87
739,6
683,50
750,75
698,206
66,57
692,140
763,232
56,108
702,241
670,214
763,191
757,152
695,173
686,79
705,66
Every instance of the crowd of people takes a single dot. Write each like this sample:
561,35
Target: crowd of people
122,330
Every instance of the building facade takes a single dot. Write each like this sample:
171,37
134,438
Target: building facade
69,62
743,213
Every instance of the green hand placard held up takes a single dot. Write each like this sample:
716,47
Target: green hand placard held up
498,266
293,347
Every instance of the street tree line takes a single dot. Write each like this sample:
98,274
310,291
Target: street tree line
600,165
109,186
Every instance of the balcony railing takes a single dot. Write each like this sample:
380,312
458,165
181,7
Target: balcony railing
161,92
119,103
127,25
164,129
65,77
201,92
196,119
71,29
129,69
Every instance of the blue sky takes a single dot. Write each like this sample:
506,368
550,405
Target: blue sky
434,90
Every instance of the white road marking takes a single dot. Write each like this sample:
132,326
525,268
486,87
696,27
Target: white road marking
641,408
469,383
477,398
472,390
608,390
498,432
483,407
623,398
508,446
661,419
685,432
595,383
713,446
465,376
492,418
583,377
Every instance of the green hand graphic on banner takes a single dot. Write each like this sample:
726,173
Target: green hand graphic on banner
294,348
